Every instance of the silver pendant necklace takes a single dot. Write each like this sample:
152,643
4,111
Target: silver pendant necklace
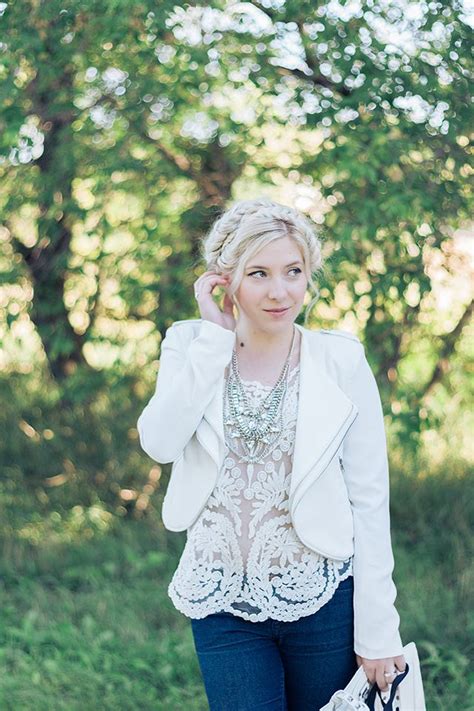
257,428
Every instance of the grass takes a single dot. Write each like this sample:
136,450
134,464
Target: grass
89,626
86,623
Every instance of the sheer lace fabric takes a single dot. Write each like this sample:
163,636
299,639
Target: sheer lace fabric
242,554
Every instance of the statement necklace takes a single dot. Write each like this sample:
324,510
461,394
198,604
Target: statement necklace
257,428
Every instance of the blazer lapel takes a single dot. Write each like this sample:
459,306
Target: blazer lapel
212,435
324,415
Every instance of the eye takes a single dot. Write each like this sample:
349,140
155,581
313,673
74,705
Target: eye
260,271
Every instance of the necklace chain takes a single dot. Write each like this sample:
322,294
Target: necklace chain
257,428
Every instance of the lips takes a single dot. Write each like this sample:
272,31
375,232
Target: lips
277,311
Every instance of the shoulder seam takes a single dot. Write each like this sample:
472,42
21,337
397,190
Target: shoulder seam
185,320
342,333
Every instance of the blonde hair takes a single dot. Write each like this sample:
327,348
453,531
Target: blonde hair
249,225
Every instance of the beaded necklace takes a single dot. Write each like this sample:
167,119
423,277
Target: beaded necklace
258,428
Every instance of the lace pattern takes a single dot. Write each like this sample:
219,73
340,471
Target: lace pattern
242,554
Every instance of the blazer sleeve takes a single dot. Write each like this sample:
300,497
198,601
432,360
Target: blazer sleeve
366,473
187,375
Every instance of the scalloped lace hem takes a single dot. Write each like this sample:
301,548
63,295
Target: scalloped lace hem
290,613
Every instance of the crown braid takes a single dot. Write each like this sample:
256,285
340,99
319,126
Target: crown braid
222,248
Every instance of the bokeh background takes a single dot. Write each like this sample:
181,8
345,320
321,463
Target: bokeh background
125,129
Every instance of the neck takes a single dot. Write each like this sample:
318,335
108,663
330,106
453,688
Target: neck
252,342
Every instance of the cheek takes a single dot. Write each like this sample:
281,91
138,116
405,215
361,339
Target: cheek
299,290
250,293
247,293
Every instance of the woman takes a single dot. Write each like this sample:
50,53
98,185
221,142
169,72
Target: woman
279,477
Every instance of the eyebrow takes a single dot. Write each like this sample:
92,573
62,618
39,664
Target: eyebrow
256,266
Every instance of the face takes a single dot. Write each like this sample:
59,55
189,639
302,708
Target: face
274,278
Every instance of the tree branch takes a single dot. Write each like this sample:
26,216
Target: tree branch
315,77
449,343
313,63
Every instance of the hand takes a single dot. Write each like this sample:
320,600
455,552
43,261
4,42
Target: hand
375,668
209,310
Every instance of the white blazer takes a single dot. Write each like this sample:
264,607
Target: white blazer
339,487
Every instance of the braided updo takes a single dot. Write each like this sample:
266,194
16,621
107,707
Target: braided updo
249,225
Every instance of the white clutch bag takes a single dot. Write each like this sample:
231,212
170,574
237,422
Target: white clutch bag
404,694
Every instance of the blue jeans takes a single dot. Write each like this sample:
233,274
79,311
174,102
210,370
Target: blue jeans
277,666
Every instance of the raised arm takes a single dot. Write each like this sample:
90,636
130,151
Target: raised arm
188,373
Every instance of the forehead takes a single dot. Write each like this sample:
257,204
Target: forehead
279,251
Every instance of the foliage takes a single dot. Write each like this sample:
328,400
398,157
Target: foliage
129,131
86,616
125,128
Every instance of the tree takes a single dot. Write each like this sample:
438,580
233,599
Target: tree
129,126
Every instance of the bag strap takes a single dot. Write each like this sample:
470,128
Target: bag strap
387,706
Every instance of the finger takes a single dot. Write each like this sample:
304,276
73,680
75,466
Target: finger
210,275
228,305
213,279
400,663
383,681
207,285
369,673
205,276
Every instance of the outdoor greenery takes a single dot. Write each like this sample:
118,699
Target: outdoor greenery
125,129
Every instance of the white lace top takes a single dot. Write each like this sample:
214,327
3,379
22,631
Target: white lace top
242,554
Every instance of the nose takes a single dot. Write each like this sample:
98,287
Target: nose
277,289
